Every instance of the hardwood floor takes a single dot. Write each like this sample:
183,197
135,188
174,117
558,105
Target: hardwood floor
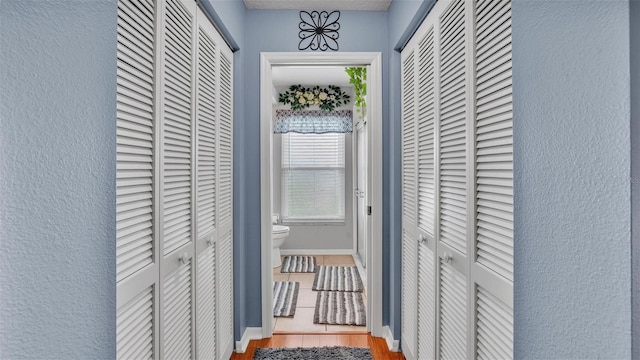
378,346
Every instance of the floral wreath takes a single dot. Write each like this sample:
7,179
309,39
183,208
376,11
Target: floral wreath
301,97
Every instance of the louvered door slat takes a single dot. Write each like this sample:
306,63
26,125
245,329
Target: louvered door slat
453,310
409,294
224,295
408,141
135,98
494,327
177,313
206,165
177,200
453,161
134,329
426,304
226,139
426,120
206,294
494,134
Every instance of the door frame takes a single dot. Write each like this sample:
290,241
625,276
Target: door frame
374,99
355,146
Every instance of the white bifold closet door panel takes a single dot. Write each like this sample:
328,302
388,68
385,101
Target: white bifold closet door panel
427,101
224,291
409,208
137,239
206,170
492,268
457,132
177,187
454,234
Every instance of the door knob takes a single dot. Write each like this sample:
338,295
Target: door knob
422,239
183,258
447,258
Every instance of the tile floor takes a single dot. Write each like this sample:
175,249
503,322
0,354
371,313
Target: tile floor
303,319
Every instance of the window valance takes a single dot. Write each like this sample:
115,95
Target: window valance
313,121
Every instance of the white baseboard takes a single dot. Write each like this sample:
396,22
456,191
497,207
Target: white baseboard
316,251
393,344
250,333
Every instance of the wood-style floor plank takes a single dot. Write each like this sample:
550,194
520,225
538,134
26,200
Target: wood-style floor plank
378,346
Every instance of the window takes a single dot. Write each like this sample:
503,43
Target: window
313,176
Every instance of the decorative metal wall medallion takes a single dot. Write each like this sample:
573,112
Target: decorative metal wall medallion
319,30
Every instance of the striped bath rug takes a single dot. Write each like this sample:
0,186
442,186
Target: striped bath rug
337,278
298,264
285,297
340,308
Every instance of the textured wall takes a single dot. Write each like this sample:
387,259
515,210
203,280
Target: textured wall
57,187
635,171
571,167
277,30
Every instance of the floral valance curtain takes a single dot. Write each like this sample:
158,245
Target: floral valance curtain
313,121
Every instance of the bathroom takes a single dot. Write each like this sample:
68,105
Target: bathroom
313,195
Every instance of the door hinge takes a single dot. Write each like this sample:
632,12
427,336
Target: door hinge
368,210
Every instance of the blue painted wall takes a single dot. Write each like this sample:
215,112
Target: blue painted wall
277,30
572,167
635,172
57,179
229,16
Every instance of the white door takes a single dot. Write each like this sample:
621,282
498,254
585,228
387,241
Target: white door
361,191
427,101
137,240
224,251
409,208
457,102
207,102
454,228
492,261
177,185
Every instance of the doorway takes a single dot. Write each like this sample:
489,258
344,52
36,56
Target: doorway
373,257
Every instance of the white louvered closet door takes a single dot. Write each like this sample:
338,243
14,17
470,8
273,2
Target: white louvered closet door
224,292
137,243
174,168
461,56
454,234
409,207
177,185
427,74
492,268
207,81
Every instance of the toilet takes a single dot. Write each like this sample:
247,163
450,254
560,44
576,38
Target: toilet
278,234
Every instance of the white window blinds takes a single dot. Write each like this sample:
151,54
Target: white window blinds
313,176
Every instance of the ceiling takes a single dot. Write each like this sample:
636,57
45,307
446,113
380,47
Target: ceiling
371,5
283,76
